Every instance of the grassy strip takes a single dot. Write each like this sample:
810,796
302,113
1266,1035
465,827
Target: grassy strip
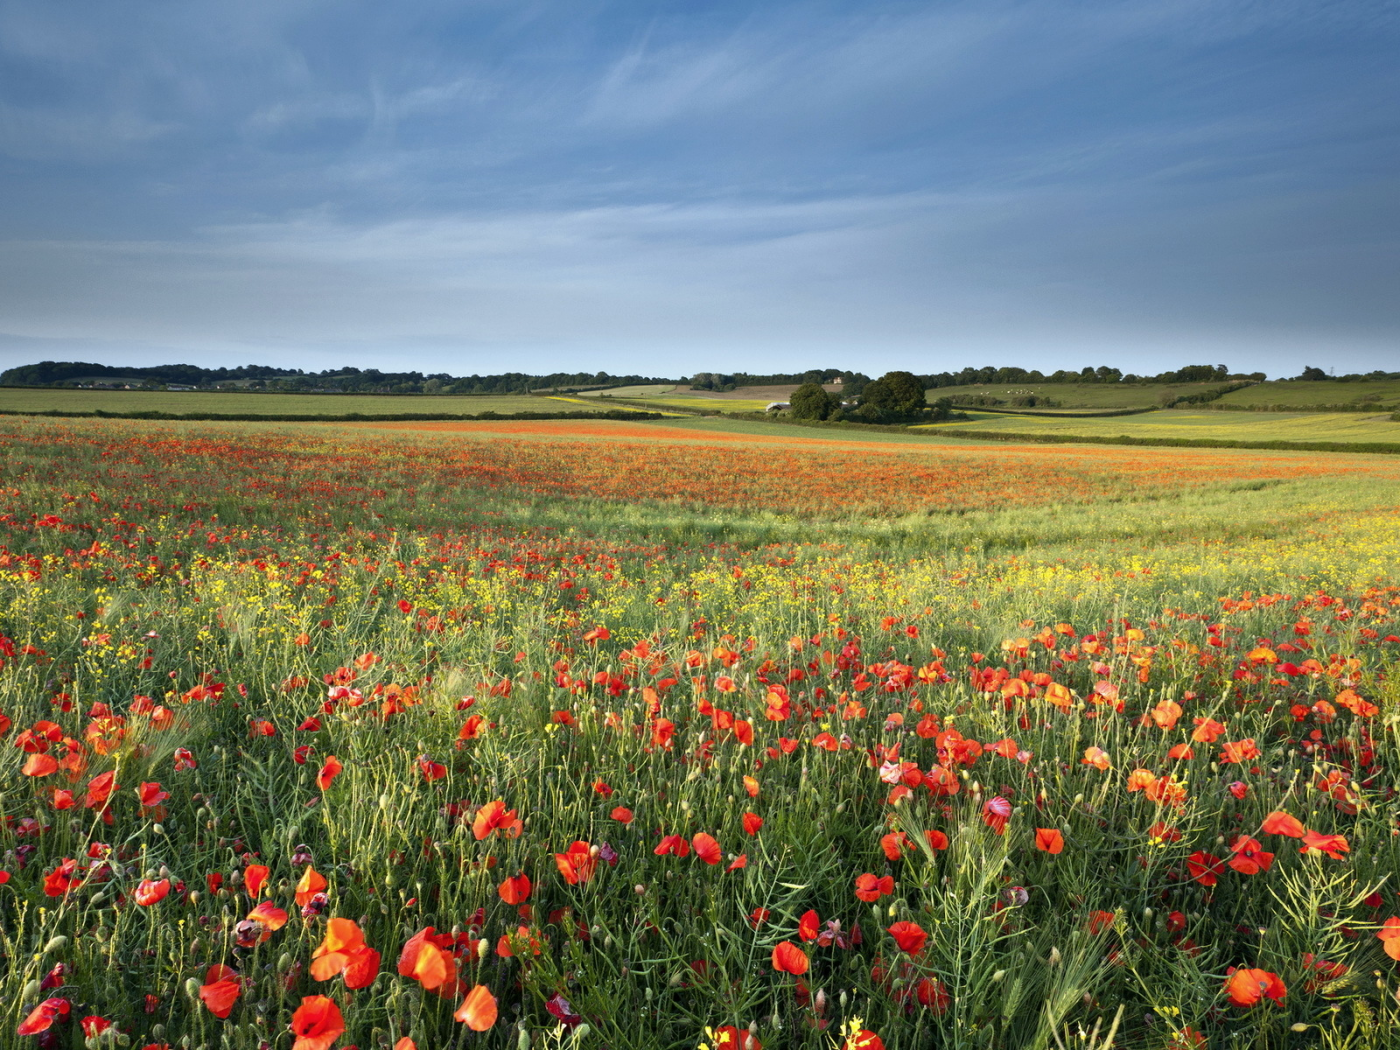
347,417
1021,437
1058,414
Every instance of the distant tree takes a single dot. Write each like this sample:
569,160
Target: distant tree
810,401
1313,374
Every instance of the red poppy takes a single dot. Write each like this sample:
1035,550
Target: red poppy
40,765
789,958
1332,845
808,925
996,811
622,815
870,889
328,773
932,993
1389,935
254,875
577,864
707,848
1281,823
220,990
909,936
426,962
62,879
478,1010
494,817
1248,857
677,845
936,839
1204,867
42,1017
1246,988
865,1039
1049,840
730,1038
269,917
310,884
752,823
151,891
317,1023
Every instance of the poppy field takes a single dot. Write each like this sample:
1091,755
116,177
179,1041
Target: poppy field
623,735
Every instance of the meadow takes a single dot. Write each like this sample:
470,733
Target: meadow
218,402
691,734
1191,424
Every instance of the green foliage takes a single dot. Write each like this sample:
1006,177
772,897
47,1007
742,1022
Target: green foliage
810,401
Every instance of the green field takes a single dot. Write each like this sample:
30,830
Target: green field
646,390
1079,395
1191,424
1300,394
44,399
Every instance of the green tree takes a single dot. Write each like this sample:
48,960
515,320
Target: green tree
810,401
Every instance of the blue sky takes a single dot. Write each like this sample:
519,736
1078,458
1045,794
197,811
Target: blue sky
671,187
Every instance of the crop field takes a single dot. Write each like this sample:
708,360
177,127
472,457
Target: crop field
44,399
1080,395
1192,424
646,390
1301,394
687,734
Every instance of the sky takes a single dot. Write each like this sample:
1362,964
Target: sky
676,186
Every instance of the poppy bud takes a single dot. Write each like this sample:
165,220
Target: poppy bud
841,807
97,900
32,990
284,962
1299,1027
998,975
581,1031
56,944
159,829
1054,959
522,1041
192,987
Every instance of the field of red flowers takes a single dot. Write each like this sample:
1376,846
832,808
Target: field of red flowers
558,735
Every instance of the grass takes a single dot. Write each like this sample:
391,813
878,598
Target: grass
1189,424
647,390
43,399
791,651
1081,395
1305,395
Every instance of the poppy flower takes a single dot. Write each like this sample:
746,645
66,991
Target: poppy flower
871,889
317,1023
936,839
329,772
1245,988
494,817
1281,823
996,811
677,845
426,962
151,891
1389,935
808,925
93,1025
1204,867
310,884
909,936
894,844
100,789
864,1039
731,1038
1049,840
220,990
42,1017
789,958
40,765
254,875
707,848
622,815
1096,757
1248,857
1332,845
753,823
741,861
62,879
751,786
478,1010
269,918
343,951
577,864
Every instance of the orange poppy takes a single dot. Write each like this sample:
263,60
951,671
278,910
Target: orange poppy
310,884
707,848
220,990
151,891
329,772
577,864
478,1010
426,962
1281,823
1049,840
515,889
789,958
1245,988
254,875
317,1023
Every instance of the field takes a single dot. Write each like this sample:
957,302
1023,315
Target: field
1299,394
1080,395
44,399
692,733
1192,424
